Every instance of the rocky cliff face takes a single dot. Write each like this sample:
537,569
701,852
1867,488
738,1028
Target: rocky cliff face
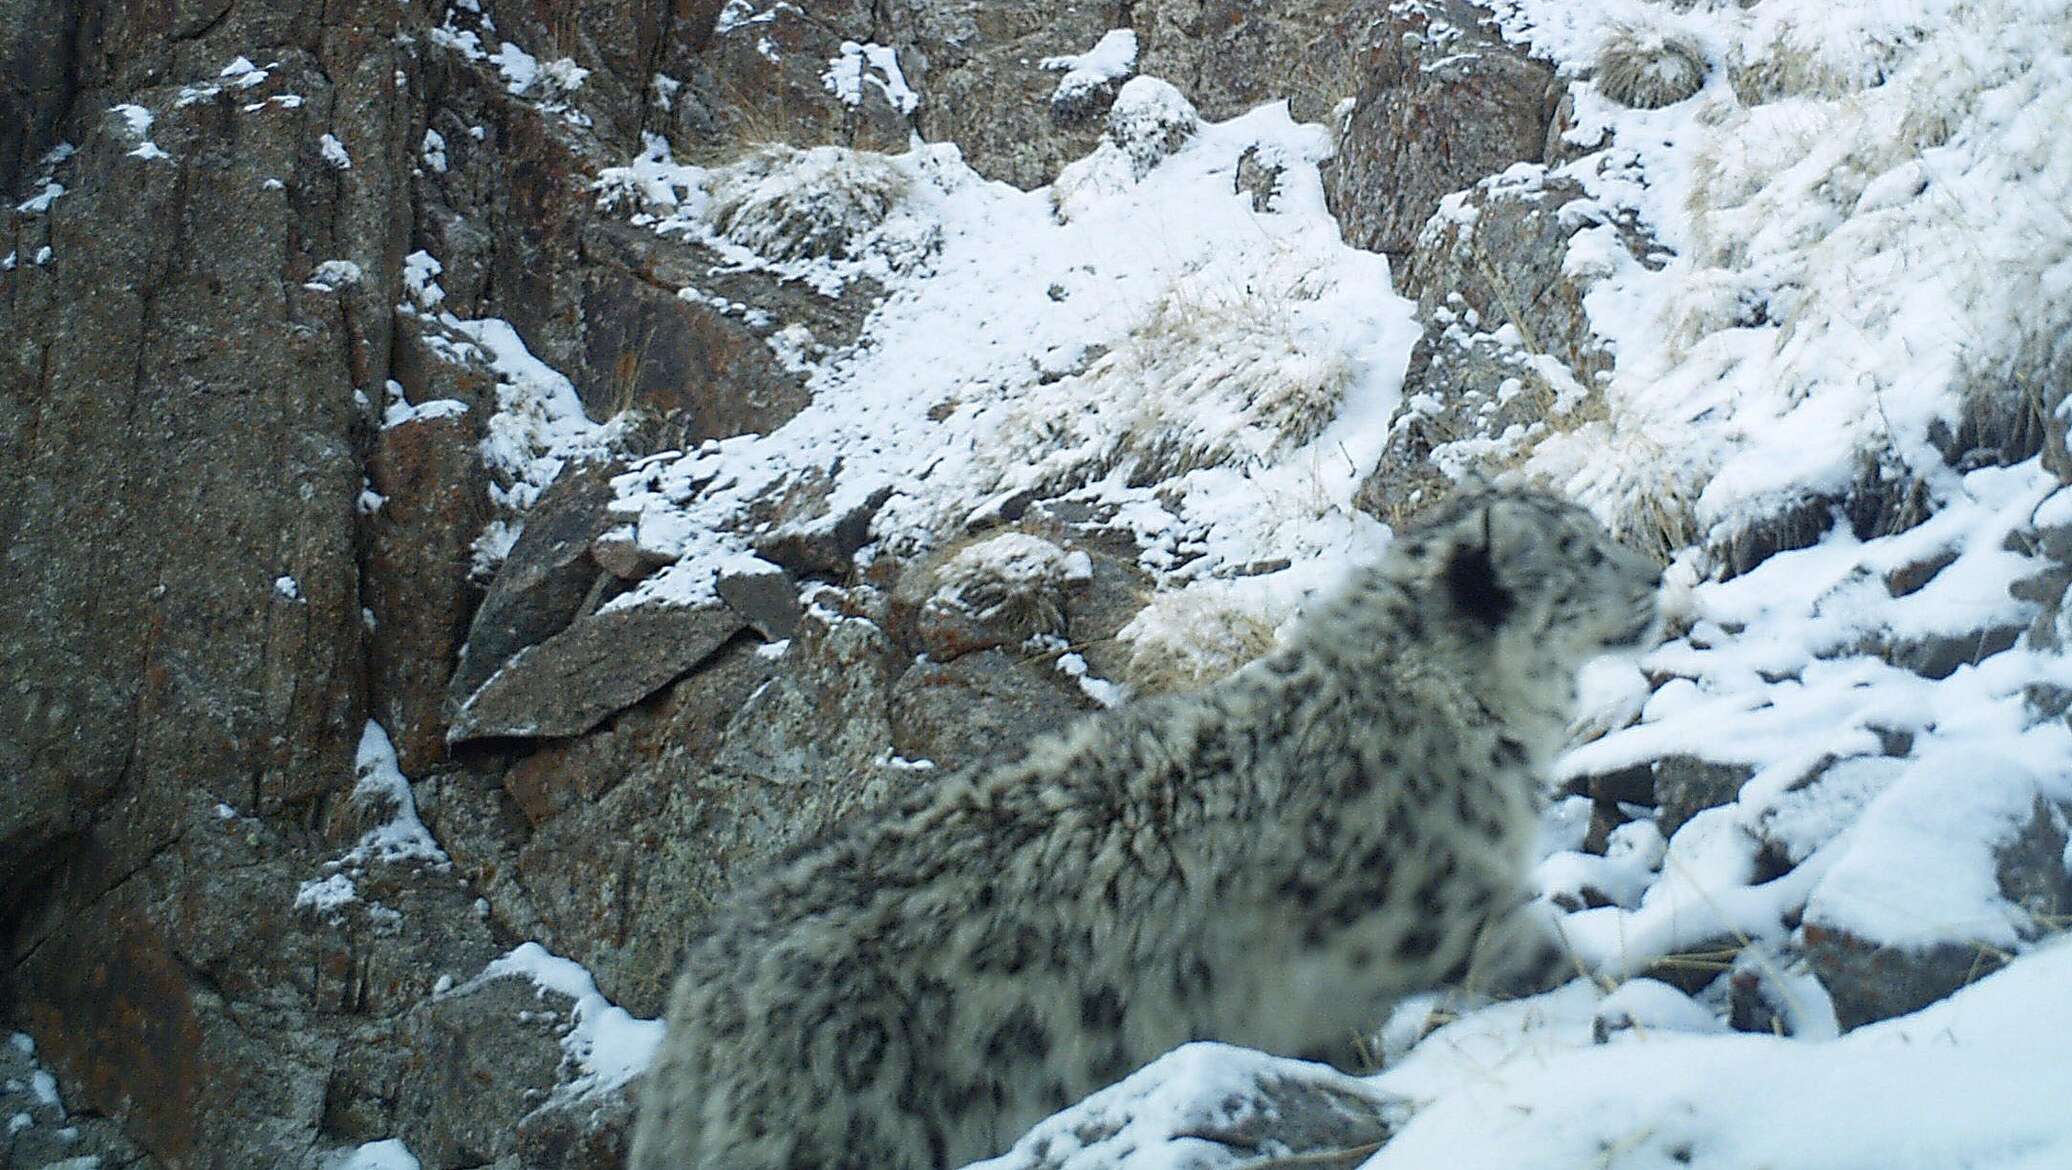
374,377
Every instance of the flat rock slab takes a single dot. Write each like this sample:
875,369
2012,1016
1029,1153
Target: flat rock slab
600,664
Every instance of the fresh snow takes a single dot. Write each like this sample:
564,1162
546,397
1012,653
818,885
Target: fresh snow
137,120
848,73
604,1046
1978,1080
969,387
1879,230
388,1154
1112,58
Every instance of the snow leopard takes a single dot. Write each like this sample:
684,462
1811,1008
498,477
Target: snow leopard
1271,862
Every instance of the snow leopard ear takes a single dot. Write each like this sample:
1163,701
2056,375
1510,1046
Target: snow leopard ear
1471,576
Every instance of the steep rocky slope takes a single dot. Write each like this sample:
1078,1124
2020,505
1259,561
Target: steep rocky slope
478,476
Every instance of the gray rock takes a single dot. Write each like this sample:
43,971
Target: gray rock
1870,980
615,858
957,713
2035,870
1686,786
619,552
1939,655
1426,64
603,663
475,1061
47,1137
585,1133
812,535
1508,353
977,66
764,596
1229,56
542,583
1262,1109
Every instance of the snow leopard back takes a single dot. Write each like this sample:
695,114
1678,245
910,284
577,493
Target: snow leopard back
1269,862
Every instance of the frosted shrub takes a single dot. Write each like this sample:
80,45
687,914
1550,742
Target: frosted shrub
1149,121
1223,376
783,203
1647,67
1822,50
1219,374
1189,638
1014,580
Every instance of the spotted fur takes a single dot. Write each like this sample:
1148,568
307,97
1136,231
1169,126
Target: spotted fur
1270,862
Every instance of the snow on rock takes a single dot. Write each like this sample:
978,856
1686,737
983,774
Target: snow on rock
1867,224
967,388
539,426
873,64
398,835
137,120
1113,58
1149,121
388,1154
39,203
605,1046
1204,1106
381,783
1979,1081
1898,851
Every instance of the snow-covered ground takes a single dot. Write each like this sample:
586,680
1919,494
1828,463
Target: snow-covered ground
1111,334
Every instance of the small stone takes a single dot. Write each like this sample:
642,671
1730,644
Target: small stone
764,595
1685,786
1258,177
620,554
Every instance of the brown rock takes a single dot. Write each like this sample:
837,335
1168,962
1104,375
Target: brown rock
1869,981
702,374
544,580
476,1060
1228,56
435,501
977,66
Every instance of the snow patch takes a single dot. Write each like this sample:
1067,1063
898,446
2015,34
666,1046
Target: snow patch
873,64
1113,58
604,1046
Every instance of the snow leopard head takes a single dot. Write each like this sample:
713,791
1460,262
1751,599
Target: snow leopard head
1536,573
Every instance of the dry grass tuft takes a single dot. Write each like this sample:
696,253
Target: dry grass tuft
784,203
1189,638
1647,68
